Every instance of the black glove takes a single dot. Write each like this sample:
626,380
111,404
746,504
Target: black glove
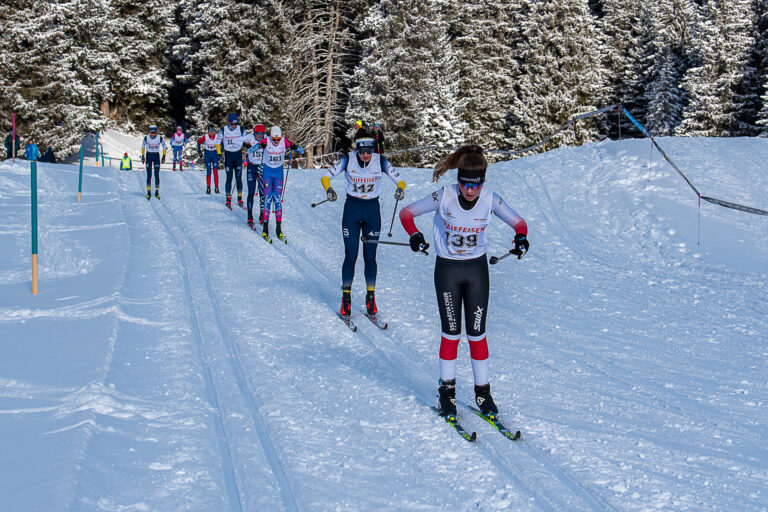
263,145
399,194
418,243
331,194
162,160
142,158
521,245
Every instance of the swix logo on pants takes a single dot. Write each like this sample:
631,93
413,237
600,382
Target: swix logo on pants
478,318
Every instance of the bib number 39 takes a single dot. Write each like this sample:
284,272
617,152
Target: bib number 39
460,240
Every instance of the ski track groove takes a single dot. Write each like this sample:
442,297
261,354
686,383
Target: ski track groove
593,501
225,446
262,430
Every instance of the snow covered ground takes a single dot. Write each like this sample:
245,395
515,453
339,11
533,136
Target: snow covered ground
175,361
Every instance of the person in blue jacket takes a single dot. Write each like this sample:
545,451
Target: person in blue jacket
31,152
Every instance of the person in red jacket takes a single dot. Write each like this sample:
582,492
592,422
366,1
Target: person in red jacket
462,214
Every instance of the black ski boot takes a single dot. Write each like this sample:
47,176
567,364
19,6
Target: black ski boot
149,194
240,200
278,231
250,221
217,190
484,401
370,303
157,193
447,401
346,302
208,190
265,231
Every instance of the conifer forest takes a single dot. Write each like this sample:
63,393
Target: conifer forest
504,73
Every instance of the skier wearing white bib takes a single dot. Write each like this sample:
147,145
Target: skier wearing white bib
150,155
274,149
232,139
178,141
462,213
363,171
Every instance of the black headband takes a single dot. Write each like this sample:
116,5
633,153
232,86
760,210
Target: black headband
467,176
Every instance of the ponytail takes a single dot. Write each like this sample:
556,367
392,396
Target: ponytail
469,157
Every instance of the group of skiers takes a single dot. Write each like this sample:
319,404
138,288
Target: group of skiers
462,214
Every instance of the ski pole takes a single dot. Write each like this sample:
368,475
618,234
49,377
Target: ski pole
321,202
495,259
393,218
384,242
285,181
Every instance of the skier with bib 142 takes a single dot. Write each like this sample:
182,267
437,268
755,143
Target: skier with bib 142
462,213
150,156
178,141
363,170
275,146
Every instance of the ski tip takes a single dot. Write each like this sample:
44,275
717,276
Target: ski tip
517,436
473,437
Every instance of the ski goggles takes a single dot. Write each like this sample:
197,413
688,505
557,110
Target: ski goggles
471,185
364,146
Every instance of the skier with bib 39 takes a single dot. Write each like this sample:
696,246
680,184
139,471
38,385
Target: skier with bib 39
275,147
362,170
211,144
178,141
232,135
150,155
462,213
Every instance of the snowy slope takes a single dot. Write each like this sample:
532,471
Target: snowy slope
175,361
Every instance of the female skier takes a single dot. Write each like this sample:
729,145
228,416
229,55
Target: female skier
462,213
362,169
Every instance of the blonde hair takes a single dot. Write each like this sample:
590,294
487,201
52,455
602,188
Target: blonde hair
469,157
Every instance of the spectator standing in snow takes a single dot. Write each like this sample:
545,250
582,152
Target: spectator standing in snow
378,139
31,152
10,143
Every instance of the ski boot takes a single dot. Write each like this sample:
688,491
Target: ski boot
157,193
370,303
149,195
217,190
174,166
346,302
265,232
447,401
240,200
279,232
229,201
250,221
208,190
484,401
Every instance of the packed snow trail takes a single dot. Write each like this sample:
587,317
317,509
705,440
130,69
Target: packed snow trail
174,361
